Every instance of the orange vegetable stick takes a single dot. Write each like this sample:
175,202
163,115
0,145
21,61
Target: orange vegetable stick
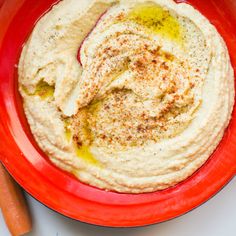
13,205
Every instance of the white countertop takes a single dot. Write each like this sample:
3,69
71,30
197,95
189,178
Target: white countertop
217,217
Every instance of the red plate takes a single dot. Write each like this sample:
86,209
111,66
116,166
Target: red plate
61,191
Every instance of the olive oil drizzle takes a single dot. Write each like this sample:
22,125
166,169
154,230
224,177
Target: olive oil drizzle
43,89
156,19
85,153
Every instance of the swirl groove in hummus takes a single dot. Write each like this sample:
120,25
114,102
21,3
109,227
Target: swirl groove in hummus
146,103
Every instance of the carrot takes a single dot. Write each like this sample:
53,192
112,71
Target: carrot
13,205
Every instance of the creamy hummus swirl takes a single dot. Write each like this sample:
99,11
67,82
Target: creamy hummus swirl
145,104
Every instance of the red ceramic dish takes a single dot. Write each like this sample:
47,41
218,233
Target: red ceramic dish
61,191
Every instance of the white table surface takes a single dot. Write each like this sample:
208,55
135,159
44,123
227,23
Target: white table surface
217,217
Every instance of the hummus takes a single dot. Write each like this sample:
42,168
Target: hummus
128,95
